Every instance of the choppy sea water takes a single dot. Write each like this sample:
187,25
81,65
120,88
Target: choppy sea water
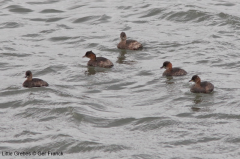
131,110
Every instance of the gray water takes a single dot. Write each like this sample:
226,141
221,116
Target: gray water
129,111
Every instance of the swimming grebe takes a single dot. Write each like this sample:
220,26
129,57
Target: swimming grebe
97,61
128,44
201,87
172,71
33,82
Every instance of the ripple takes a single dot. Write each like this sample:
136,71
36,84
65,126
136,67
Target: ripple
64,26
233,140
153,12
9,104
27,133
47,31
53,19
44,2
220,116
76,6
10,25
194,141
103,19
86,18
149,123
47,20
60,38
14,54
51,11
31,35
124,7
120,86
120,122
93,146
227,19
225,4
38,19
185,16
18,9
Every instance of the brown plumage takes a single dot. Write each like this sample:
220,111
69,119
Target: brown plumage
201,87
33,82
97,61
172,71
128,44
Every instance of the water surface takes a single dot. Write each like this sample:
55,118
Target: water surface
128,111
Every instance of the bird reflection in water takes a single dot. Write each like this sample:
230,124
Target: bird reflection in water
198,99
93,70
90,71
169,80
195,109
121,57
